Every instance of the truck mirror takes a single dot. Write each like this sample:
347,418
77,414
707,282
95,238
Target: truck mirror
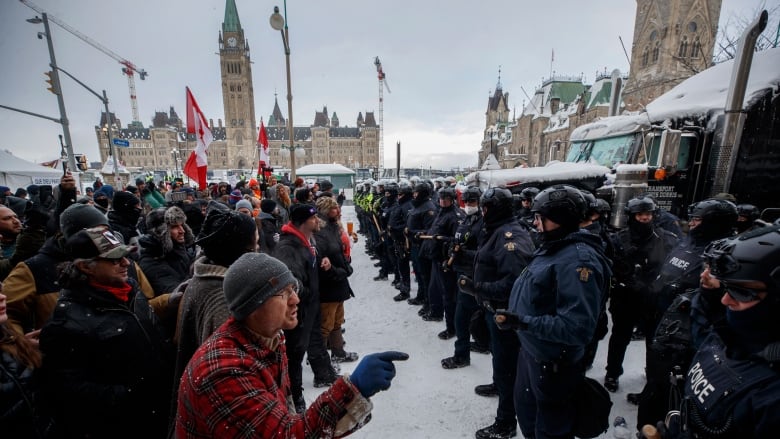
669,150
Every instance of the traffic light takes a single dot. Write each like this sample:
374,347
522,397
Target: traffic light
81,162
52,81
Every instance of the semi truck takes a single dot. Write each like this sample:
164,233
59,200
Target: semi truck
718,131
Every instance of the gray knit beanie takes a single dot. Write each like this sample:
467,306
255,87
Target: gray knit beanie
244,203
251,280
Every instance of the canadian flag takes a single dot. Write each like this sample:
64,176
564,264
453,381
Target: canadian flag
262,146
196,165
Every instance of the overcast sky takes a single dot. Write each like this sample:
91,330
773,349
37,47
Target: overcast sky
441,59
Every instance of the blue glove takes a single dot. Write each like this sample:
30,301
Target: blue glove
375,372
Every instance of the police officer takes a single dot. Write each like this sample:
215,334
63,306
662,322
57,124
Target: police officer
419,221
747,214
640,250
396,226
442,287
708,220
505,249
524,214
461,260
389,204
554,309
732,385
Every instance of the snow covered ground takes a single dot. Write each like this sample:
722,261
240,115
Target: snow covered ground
425,400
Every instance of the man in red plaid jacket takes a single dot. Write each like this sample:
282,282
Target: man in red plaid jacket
237,385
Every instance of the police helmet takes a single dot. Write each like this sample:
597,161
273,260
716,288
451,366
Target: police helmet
529,193
714,210
753,256
563,204
590,201
497,197
447,192
640,204
471,193
391,188
423,190
749,211
603,208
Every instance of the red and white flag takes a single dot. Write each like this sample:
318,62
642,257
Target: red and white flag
262,147
197,162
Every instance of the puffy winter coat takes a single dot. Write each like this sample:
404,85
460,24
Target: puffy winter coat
107,368
334,283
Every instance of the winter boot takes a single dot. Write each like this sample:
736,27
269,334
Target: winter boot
611,383
400,297
381,276
416,301
432,318
300,404
446,334
497,431
424,310
487,390
336,343
478,348
455,362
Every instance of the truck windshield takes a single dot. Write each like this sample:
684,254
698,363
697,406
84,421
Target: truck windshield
606,152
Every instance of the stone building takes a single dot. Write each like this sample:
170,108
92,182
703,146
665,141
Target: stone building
164,145
673,40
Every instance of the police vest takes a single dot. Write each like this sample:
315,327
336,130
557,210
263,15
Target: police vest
715,384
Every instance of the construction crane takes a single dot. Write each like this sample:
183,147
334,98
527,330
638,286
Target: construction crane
382,85
128,68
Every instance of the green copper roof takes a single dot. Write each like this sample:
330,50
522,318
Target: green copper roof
566,91
231,23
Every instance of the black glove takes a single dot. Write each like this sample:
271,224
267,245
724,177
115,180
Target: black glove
466,284
506,320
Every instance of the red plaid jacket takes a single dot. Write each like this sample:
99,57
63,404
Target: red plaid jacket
236,388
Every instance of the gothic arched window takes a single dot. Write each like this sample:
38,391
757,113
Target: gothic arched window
683,52
696,48
656,49
645,56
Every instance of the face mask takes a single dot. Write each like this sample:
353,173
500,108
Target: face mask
471,210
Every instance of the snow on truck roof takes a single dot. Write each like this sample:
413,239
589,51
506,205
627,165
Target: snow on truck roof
702,94
554,171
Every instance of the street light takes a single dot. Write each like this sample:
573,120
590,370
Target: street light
56,79
280,23
175,152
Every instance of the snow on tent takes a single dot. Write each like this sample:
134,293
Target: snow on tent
586,176
16,172
339,175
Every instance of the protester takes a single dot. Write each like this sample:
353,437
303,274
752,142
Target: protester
268,226
236,383
107,367
165,254
20,415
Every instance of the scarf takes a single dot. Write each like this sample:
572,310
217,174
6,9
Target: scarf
122,293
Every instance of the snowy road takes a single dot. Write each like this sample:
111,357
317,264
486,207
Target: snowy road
425,400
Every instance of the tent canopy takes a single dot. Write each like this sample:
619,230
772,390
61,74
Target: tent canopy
323,169
16,172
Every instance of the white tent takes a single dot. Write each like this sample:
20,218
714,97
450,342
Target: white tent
16,172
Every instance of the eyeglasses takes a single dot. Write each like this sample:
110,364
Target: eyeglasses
287,293
115,261
741,294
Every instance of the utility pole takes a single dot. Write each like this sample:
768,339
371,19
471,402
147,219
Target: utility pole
110,138
60,100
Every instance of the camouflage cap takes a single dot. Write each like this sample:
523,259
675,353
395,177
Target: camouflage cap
96,242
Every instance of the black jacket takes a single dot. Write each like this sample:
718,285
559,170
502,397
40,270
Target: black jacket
122,225
302,264
334,283
467,242
18,404
443,230
107,368
268,227
164,271
504,252
420,219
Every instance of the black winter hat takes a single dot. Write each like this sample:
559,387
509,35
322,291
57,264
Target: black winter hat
78,217
300,212
225,235
326,185
267,205
125,202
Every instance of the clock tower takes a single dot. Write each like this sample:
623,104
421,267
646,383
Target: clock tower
237,91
